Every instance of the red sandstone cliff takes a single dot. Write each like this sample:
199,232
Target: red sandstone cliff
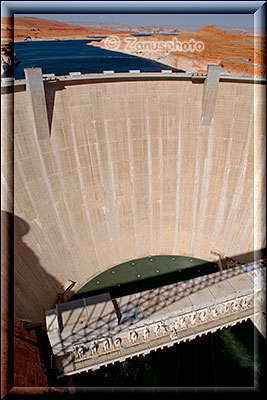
38,29
237,53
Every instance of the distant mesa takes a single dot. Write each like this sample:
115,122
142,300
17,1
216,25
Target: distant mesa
241,31
212,30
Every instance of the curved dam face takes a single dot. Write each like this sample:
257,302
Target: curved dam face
128,169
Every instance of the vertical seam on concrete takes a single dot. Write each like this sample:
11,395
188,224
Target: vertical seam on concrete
196,188
130,150
240,183
207,166
62,186
46,179
223,192
149,163
101,177
205,184
178,194
111,194
63,182
85,202
161,179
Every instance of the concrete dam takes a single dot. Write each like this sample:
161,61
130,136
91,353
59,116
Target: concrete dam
109,169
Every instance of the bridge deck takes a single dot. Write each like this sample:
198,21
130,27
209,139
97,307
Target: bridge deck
87,333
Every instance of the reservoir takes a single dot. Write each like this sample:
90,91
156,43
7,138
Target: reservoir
61,57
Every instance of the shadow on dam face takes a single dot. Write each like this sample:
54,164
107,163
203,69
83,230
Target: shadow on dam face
25,288
25,283
50,93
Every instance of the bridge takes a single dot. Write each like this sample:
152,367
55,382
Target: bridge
92,332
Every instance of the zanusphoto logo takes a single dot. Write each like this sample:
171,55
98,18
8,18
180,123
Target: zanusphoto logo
163,46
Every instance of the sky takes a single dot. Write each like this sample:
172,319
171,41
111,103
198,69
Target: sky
228,20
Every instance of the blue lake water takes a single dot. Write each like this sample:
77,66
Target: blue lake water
64,56
169,34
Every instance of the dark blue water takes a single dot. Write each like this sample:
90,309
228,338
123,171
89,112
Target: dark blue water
169,34
64,56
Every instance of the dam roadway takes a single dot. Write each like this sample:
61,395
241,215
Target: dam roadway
109,169
95,331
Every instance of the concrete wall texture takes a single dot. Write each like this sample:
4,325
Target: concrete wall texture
130,169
